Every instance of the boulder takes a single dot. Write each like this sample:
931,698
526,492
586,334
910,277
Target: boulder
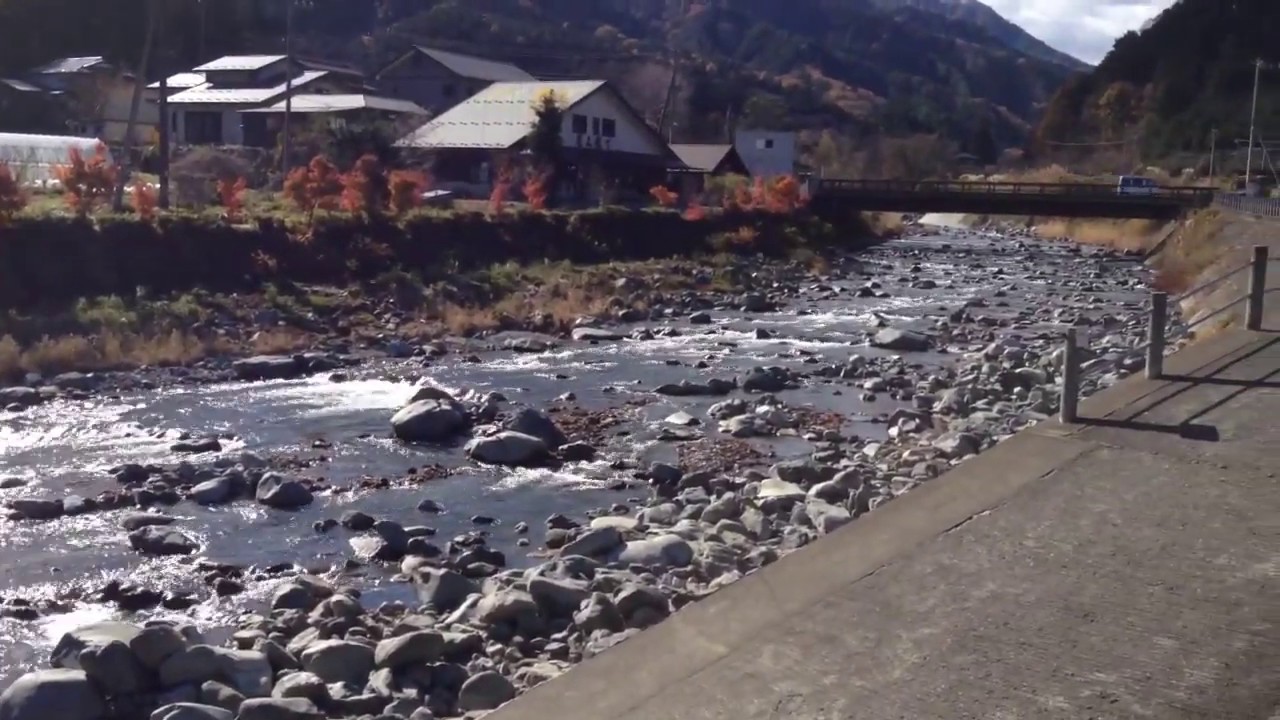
268,367
50,694
415,648
443,589
248,671
599,613
155,644
557,598
279,709
595,542
508,448
199,445
20,396
485,691
159,540
429,420
536,424
66,654
136,521
662,551
902,340
339,661
38,508
305,685
301,593
277,491
590,334
114,668
192,711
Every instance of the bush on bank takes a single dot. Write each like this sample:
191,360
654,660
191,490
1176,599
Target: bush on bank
54,260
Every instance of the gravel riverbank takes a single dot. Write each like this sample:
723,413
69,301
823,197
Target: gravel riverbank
406,572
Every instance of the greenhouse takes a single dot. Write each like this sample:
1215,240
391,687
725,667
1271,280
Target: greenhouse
32,158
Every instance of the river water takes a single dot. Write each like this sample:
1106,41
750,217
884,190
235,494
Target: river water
66,447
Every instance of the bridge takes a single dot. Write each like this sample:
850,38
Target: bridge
831,196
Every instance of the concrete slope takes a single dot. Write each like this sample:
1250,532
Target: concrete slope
1125,567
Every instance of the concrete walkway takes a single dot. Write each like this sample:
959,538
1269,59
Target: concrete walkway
1125,567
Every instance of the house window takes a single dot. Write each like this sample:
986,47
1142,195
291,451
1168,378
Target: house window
764,144
609,127
204,127
579,124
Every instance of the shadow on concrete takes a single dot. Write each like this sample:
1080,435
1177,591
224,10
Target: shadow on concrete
1187,431
1222,381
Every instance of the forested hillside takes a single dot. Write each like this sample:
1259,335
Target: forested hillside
1168,86
853,67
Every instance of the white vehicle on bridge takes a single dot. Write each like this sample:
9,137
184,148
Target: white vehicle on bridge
1135,185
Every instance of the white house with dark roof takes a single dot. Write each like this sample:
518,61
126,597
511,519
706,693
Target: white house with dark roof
438,79
603,136
97,97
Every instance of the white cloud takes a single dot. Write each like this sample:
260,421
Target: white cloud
1083,28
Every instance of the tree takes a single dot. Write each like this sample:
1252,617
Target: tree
1116,109
12,197
135,105
982,142
546,143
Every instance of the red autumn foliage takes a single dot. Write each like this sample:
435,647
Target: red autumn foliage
785,195
12,198
86,182
664,196
740,198
535,191
364,187
231,196
501,189
318,186
144,200
696,211
405,188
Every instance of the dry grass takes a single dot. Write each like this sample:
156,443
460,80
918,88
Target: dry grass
109,350
279,341
1196,247
1126,235
884,224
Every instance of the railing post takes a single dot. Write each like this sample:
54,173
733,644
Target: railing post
1155,334
1070,379
1257,288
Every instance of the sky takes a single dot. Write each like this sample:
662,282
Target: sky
1083,28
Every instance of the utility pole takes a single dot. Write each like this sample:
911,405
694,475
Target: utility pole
1253,119
287,144
164,137
1213,146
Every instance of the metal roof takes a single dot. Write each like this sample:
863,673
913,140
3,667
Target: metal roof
69,65
240,62
497,117
343,103
702,157
182,81
476,68
19,85
208,95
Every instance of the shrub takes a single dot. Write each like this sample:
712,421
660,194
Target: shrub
197,175
696,211
405,188
12,198
87,183
664,197
231,197
501,189
144,200
536,191
364,187
318,186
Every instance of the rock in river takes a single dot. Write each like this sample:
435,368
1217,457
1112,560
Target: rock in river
532,422
508,448
903,340
595,334
267,367
156,540
431,420
50,694
282,493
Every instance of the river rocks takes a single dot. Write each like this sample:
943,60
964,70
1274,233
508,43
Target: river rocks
192,711
268,367
339,661
768,380
159,540
50,694
557,598
685,388
409,649
595,542
902,340
661,551
37,508
591,334
277,491
536,424
509,448
279,709
201,445
114,666
443,589
485,691
430,420
21,397
217,491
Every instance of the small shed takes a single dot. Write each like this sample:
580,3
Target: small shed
702,162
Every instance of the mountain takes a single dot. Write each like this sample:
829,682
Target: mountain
982,15
1170,84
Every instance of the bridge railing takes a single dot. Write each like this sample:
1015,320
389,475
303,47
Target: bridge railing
1186,195
1157,327
1263,207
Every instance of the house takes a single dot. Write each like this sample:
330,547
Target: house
704,161
347,109
25,108
207,108
606,142
438,80
767,153
97,96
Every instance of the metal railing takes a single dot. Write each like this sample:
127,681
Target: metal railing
1157,326
1262,207
1186,195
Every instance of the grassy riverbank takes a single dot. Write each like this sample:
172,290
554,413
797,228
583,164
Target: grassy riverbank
120,294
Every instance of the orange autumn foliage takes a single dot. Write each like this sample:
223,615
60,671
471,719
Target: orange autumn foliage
501,189
405,188
231,196
364,187
318,186
664,196
86,182
144,200
12,197
535,191
696,211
